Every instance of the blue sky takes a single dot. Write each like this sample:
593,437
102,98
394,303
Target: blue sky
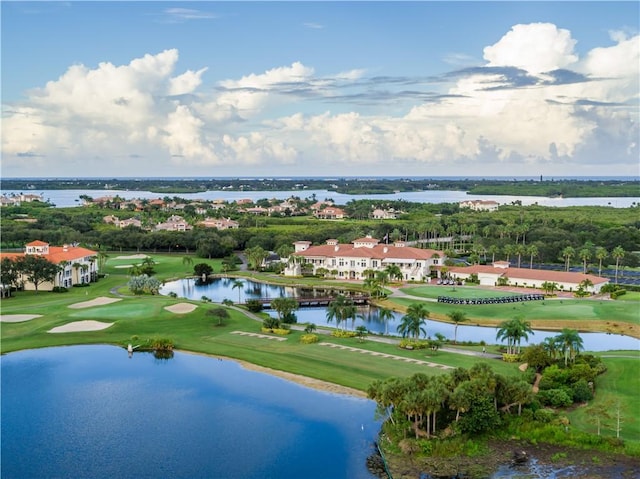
320,88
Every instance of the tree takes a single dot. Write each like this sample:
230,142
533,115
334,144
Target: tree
519,250
341,309
412,323
361,332
601,253
567,253
239,285
385,315
202,270
618,254
585,256
457,317
310,328
570,344
394,272
549,287
533,252
9,274
513,331
285,306
255,257
144,284
37,269
187,260
218,313
493,250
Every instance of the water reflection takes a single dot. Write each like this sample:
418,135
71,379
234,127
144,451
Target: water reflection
222,288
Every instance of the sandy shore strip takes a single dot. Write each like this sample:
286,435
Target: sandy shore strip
133,256
181,308
123,266
78,326
100,301
18,318
296,378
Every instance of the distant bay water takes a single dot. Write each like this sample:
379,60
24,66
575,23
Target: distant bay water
69,198
91,412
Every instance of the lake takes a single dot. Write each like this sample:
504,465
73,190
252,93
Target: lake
67,198
222,288
92,412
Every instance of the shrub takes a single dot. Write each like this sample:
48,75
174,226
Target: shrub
510,358
270,323
618,293
279,331
254,305
144,284
544,415
81,285
555,398
59,289
413,344
309,338
581,391
340,333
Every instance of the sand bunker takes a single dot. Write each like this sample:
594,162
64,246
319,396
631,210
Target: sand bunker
18,318
133,256
94,302
181,308
88,325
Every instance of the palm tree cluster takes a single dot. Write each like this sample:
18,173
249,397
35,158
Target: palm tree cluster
413,323
464,400
568,343
514,331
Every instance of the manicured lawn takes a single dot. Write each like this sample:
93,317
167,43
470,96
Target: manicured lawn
619,385
463,292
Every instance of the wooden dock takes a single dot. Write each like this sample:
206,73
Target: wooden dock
318,302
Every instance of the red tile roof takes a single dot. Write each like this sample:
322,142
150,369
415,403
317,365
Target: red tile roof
532,274
377,252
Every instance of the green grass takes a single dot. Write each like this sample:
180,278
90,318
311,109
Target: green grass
146,317
619,385
464,292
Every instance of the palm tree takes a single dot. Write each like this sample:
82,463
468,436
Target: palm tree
310,328
570,343
187,260
341,309
412,323
238,284
361,333
533,252
514,330
519,250
601,253
567,253
508,249
394,272
618,254
385,315
493,250
585,255
457,317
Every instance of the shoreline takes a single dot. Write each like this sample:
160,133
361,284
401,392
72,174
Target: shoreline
306,381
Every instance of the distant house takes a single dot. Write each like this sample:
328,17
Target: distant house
77,265
174,223
379,214
330,213
489,275
219,223
350,261
480,205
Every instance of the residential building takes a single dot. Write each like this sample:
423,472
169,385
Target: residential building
480,205
77,265
174,223
350,261
379,214
219,223
330,213
489,275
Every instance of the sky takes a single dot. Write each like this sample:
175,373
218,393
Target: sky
326,89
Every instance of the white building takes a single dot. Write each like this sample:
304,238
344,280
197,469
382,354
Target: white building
350,261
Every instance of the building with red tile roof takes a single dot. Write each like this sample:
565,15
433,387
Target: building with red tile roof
78,265
350,261
488,275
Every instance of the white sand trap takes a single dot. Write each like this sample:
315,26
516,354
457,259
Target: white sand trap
181,308
133,256
101,301
18,318
123,266
76,326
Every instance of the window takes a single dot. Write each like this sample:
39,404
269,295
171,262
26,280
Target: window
363,263
435,261
341,262
374,263
352,263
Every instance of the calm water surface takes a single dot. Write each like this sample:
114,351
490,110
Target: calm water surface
66,198
222,288
91,412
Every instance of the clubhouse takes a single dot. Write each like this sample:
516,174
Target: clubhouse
351,261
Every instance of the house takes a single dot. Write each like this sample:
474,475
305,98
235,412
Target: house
379,214
330,213
174,223
219,223
350,261
480,205
489,275
77,265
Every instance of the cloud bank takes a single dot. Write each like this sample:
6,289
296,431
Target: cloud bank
533,105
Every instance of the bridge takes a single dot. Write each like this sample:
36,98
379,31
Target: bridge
316,302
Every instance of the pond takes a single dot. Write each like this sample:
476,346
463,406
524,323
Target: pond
222,288
90,411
